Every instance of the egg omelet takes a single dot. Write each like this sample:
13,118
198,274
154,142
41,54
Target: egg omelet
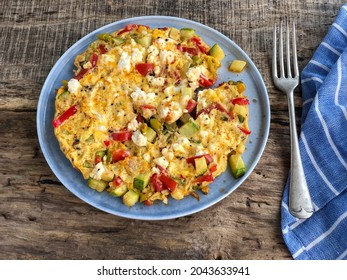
140,120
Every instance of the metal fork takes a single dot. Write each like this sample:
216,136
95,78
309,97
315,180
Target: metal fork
300,204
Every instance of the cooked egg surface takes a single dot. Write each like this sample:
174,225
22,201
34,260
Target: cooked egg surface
140,120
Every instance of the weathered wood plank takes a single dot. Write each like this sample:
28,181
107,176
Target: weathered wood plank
41,219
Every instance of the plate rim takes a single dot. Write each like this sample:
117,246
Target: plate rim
258,80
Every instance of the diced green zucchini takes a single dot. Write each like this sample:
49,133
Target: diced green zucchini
187,33
98,185
156,125
64,95
88,164
105,37
119,190
237,165
186,91
118,41
200,165
217,52
100,153
241,118
145,41
130,198
241,111
189,129
65,83
171,126
141,181
110,39
108,156
196,60
150,134
174,33
107,175
185,118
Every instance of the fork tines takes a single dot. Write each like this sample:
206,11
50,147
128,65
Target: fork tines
289,49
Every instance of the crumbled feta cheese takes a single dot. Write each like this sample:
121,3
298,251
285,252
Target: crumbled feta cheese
139,139
101,128
203,134
97,171
147,157
193,74
139,96
155,170
132,42
205,119
162,162
133,124
106,59
73,86
178,148
167,56
124,62
161,43
153,53
169,90
176,111
164,111
200,150
136,55
156,82
167,154
157,70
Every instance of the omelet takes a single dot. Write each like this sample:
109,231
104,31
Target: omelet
140,120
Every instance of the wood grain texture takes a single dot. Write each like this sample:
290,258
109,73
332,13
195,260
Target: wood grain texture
41,219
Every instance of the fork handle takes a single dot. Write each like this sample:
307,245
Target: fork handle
300,203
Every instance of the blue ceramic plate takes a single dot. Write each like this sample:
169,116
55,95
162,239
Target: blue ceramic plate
259,123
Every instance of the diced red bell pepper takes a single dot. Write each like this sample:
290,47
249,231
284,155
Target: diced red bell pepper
81,73
130,27
190,50
102,49
117,181
127,28
107,143
208,158
139,118
144,68
168,182
199,44
148,202
205,82
64,116
163,28
213,168
158,185
149,107
118,155
240,101
94,59
191,105
122,136
204,178
97,159
244,130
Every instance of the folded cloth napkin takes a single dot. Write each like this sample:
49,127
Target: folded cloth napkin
323,144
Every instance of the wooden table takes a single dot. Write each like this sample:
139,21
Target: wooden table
41,219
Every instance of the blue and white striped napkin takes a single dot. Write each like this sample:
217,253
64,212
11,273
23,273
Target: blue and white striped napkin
323,143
